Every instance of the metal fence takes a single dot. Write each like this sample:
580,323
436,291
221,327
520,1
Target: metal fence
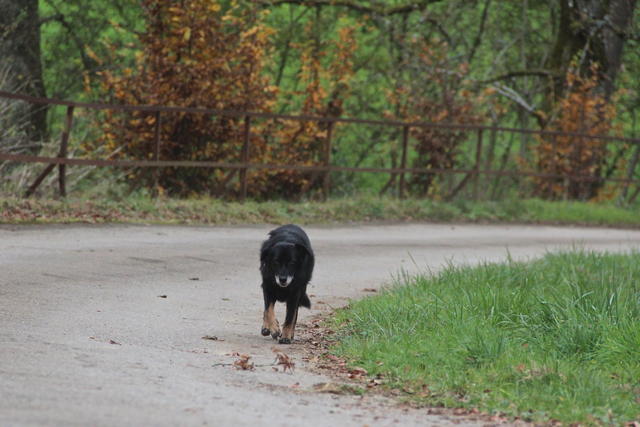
325,167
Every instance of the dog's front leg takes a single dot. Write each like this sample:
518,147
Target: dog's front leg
269,322
290,320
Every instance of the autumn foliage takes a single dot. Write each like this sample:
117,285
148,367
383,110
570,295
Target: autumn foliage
193,53
196,53
437,94
326,73
584,110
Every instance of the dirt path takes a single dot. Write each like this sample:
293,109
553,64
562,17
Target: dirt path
87,338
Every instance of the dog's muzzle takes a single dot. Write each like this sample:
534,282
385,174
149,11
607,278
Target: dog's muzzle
284,281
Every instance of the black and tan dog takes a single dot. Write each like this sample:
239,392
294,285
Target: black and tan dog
286,264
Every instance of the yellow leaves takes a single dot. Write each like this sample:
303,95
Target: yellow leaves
440,116
139,56
91,54
250,32
582,110
200,53
489,91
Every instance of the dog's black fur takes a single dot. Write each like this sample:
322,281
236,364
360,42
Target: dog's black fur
286,264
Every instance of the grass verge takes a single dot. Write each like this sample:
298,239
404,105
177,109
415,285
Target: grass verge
145,209
554,339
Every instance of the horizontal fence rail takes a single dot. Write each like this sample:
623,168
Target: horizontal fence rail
62,159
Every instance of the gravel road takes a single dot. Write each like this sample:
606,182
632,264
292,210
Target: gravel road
103,325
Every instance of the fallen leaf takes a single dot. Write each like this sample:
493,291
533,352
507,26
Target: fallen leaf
285,361
210,337
369,290
114,342
243,363
162,296
357,373
373,383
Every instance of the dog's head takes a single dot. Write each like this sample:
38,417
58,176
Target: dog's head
282,261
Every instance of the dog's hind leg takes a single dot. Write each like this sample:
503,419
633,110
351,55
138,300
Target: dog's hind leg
290,321
270,324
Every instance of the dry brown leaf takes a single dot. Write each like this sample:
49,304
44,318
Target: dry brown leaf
357,373
243,362
285,361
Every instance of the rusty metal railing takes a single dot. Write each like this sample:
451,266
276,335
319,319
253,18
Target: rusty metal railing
326,167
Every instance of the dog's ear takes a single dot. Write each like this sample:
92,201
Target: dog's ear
264,255
303,250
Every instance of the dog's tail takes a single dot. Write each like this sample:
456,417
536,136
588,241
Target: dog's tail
305,302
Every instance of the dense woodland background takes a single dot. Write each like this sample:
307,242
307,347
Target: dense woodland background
566,65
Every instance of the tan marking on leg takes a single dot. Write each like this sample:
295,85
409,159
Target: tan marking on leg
289,329
270,322
267,316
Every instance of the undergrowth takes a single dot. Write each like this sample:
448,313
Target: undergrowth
142,208
554,339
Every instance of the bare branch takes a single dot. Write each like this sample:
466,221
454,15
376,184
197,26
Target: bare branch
478,38
355,6
523,73
514,96
60,18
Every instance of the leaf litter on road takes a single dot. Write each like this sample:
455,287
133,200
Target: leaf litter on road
243,363
284,360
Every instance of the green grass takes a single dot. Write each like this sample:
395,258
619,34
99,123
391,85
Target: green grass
141,208
554,339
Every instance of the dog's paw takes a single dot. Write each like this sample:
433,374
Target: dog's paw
284,341
265,332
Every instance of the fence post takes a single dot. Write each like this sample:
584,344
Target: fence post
554,166
64,143
327,161
476,172
64,140
156,154
403,159
245,158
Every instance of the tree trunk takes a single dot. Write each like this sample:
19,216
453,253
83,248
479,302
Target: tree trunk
20,52
593,31
589,40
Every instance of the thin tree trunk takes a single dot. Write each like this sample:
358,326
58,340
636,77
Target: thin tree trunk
595,32
20,51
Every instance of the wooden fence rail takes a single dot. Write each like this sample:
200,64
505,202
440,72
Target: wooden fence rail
325,168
